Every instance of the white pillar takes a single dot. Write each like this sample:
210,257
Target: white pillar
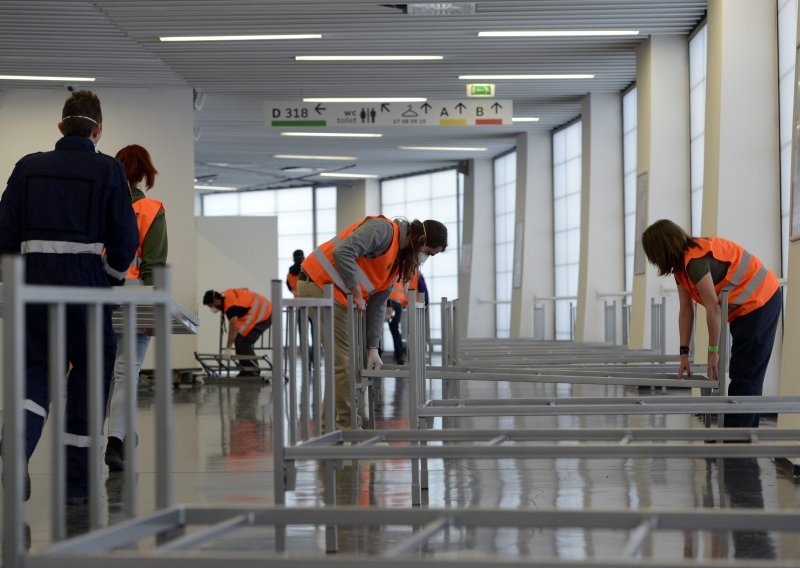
741,183
602,259
476,270
662,86
356,200
534,211
789,385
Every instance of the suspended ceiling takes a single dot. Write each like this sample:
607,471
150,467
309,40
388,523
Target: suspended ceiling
117,42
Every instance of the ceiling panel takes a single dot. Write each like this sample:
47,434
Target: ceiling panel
117,41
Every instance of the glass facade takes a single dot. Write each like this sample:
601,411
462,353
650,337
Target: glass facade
505,198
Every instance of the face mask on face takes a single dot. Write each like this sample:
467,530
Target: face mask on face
214,309
422,257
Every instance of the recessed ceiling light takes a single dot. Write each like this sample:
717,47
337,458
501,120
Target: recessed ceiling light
302,157
558,33
440,8
365,100
240,37
216,187
45,78
525,119
334,134
525,77
369,57
444,148
346,175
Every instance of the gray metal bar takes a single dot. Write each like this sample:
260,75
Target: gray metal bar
164,443
215,531
291,355
13,416
305,380
95,378
317,347
57,318
130,386
278,436
120,534
418,538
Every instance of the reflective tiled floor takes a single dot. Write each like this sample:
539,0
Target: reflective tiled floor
222,441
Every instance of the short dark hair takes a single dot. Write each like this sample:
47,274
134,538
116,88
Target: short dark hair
298,255
210,296
81,114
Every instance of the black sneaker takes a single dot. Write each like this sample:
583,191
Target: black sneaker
114,457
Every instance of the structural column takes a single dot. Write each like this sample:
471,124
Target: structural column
741,183
356,200
534,220
790,358
662,81
476,269
602,259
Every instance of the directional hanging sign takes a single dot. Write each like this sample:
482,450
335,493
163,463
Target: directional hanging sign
281,114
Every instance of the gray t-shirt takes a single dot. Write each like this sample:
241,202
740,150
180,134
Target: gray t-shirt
371,240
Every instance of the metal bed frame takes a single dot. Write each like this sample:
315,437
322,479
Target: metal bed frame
176,547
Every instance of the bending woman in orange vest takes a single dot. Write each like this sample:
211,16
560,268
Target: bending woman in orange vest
365,260
249,315
702,268
152,251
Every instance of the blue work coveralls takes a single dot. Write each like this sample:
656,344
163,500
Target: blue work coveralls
61,210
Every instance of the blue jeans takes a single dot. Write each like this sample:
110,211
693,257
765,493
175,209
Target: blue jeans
753,338
118,398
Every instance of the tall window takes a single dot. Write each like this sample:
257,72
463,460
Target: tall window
787,34
505,200
697,121
300,225
429,196
629,180
567,153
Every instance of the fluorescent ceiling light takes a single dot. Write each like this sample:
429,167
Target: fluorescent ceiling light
525,119
369,57
334,134
301,157
559,33
365,100
240,37
216,187
444,148
522,77
45,78
345,175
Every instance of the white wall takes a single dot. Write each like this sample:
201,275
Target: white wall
233,252
130,116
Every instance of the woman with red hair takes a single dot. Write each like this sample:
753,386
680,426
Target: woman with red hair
152,252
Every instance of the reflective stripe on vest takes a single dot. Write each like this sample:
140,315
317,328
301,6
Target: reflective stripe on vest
60,247
146,210
750,283
372,274
258,308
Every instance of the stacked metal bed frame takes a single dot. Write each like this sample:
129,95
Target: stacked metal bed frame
424,529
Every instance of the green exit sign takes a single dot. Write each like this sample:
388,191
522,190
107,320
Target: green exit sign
480,90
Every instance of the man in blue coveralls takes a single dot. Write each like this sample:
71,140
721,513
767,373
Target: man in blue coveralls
61,210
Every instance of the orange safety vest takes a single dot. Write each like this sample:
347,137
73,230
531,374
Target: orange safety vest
398,294
258,307
146,210
750,283
400,291
373,274
291,279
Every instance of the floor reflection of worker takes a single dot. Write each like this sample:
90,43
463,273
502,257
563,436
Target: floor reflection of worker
249,316
398,301
742,481
365,260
